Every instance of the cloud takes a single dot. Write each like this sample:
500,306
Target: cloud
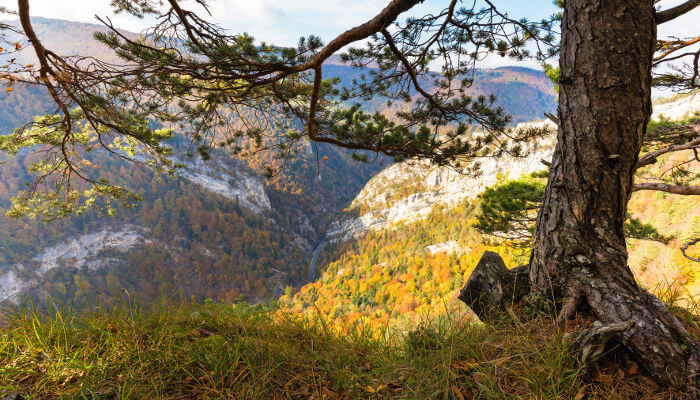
260,13
284,22
76,10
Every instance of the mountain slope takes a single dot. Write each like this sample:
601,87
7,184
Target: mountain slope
408,190
219,230
407,244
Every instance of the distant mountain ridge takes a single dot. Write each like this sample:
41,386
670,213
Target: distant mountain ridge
67,38
524,93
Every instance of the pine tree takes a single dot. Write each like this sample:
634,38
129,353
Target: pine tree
606,56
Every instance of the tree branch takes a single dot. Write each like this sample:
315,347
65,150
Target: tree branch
664,187
44,72
552,118
675,12
685,247
650,158
409,69
670,47
387,16
314,103
188,28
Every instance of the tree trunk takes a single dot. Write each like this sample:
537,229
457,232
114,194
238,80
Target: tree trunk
579,253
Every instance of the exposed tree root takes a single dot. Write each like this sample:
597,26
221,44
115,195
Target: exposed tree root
492,287
643,325
590,343
568,310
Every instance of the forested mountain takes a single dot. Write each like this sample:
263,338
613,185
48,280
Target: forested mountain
219,230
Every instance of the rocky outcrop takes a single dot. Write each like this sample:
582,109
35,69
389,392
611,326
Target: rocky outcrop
232,183
434,186
303,226
12,286
449,247
82,251
379,207
492,286
682,107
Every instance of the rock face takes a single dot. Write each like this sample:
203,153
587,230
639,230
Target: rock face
432,186
449,247
380,204
232,183
75,253
12,286
678,109
83,251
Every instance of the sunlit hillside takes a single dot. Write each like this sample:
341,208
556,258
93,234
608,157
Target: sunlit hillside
407,269
403,275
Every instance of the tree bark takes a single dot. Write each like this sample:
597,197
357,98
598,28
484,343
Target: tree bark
492,286
665,187
579,249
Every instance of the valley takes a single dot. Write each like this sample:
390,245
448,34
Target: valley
218,230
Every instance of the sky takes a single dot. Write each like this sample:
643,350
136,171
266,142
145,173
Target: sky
273,20
282,22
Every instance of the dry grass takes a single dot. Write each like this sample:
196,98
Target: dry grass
253,352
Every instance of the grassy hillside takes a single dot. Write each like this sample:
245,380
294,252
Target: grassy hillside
243,352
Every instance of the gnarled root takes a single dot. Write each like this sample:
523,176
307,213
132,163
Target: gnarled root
589,344
642,324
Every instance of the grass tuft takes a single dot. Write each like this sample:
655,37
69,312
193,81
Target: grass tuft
212,351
